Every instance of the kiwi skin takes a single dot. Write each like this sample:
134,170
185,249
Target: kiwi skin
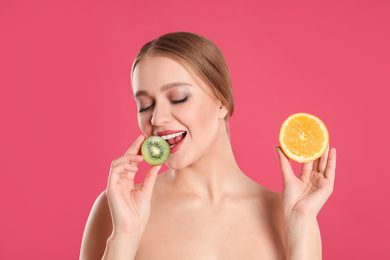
155,150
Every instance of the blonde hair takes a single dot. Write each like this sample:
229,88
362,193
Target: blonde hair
198,54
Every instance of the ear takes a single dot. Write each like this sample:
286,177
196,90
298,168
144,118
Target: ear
223,111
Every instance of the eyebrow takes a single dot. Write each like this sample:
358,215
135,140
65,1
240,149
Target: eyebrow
163,88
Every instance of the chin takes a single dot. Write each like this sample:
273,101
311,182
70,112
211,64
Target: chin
175,165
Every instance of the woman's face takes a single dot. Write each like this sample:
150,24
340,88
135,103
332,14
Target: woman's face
173,105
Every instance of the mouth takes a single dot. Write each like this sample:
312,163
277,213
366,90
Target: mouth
173,139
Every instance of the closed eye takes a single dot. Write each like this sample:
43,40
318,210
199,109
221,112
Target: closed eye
142,109
179,101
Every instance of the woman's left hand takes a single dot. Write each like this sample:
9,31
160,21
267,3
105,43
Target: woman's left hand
305,195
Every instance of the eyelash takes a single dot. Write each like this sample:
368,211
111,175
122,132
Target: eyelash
144,109
172,101
179,101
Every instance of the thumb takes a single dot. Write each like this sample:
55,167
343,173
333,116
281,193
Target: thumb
150,180
285,166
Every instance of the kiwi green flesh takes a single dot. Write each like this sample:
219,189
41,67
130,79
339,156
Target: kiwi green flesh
155,150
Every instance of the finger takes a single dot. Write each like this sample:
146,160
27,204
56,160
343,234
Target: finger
125,167
128,176
126,182
135,147
308,166
331,165
323,161
128,158
315,166
287,171
150,180
117,172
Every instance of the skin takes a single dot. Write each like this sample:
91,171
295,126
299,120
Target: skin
204,206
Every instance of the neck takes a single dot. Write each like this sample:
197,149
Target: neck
213,176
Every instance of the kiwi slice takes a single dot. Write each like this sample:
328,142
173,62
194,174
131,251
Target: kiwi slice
155,150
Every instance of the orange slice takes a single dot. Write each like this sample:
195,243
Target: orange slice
303,137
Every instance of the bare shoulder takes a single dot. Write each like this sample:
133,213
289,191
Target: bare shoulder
270,205
97,229
269,202
273,197
264,194
275,205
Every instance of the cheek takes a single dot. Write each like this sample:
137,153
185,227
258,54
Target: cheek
205,117
144,124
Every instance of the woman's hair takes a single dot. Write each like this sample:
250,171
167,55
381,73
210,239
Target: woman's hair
200,56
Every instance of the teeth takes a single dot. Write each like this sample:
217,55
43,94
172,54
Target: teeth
167,137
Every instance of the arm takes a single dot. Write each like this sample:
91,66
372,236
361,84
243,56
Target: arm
120,214
303,239
99,241
123,247
97,230
303,198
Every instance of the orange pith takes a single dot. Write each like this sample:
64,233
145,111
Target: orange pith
303,137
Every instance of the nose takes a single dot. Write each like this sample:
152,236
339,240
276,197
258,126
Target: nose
161,115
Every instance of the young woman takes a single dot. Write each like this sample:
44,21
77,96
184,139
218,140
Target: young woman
204,206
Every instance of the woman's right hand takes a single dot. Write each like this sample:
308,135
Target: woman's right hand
130,207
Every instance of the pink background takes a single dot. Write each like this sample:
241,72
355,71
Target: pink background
67,109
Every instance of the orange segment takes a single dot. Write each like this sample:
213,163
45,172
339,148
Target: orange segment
303,137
